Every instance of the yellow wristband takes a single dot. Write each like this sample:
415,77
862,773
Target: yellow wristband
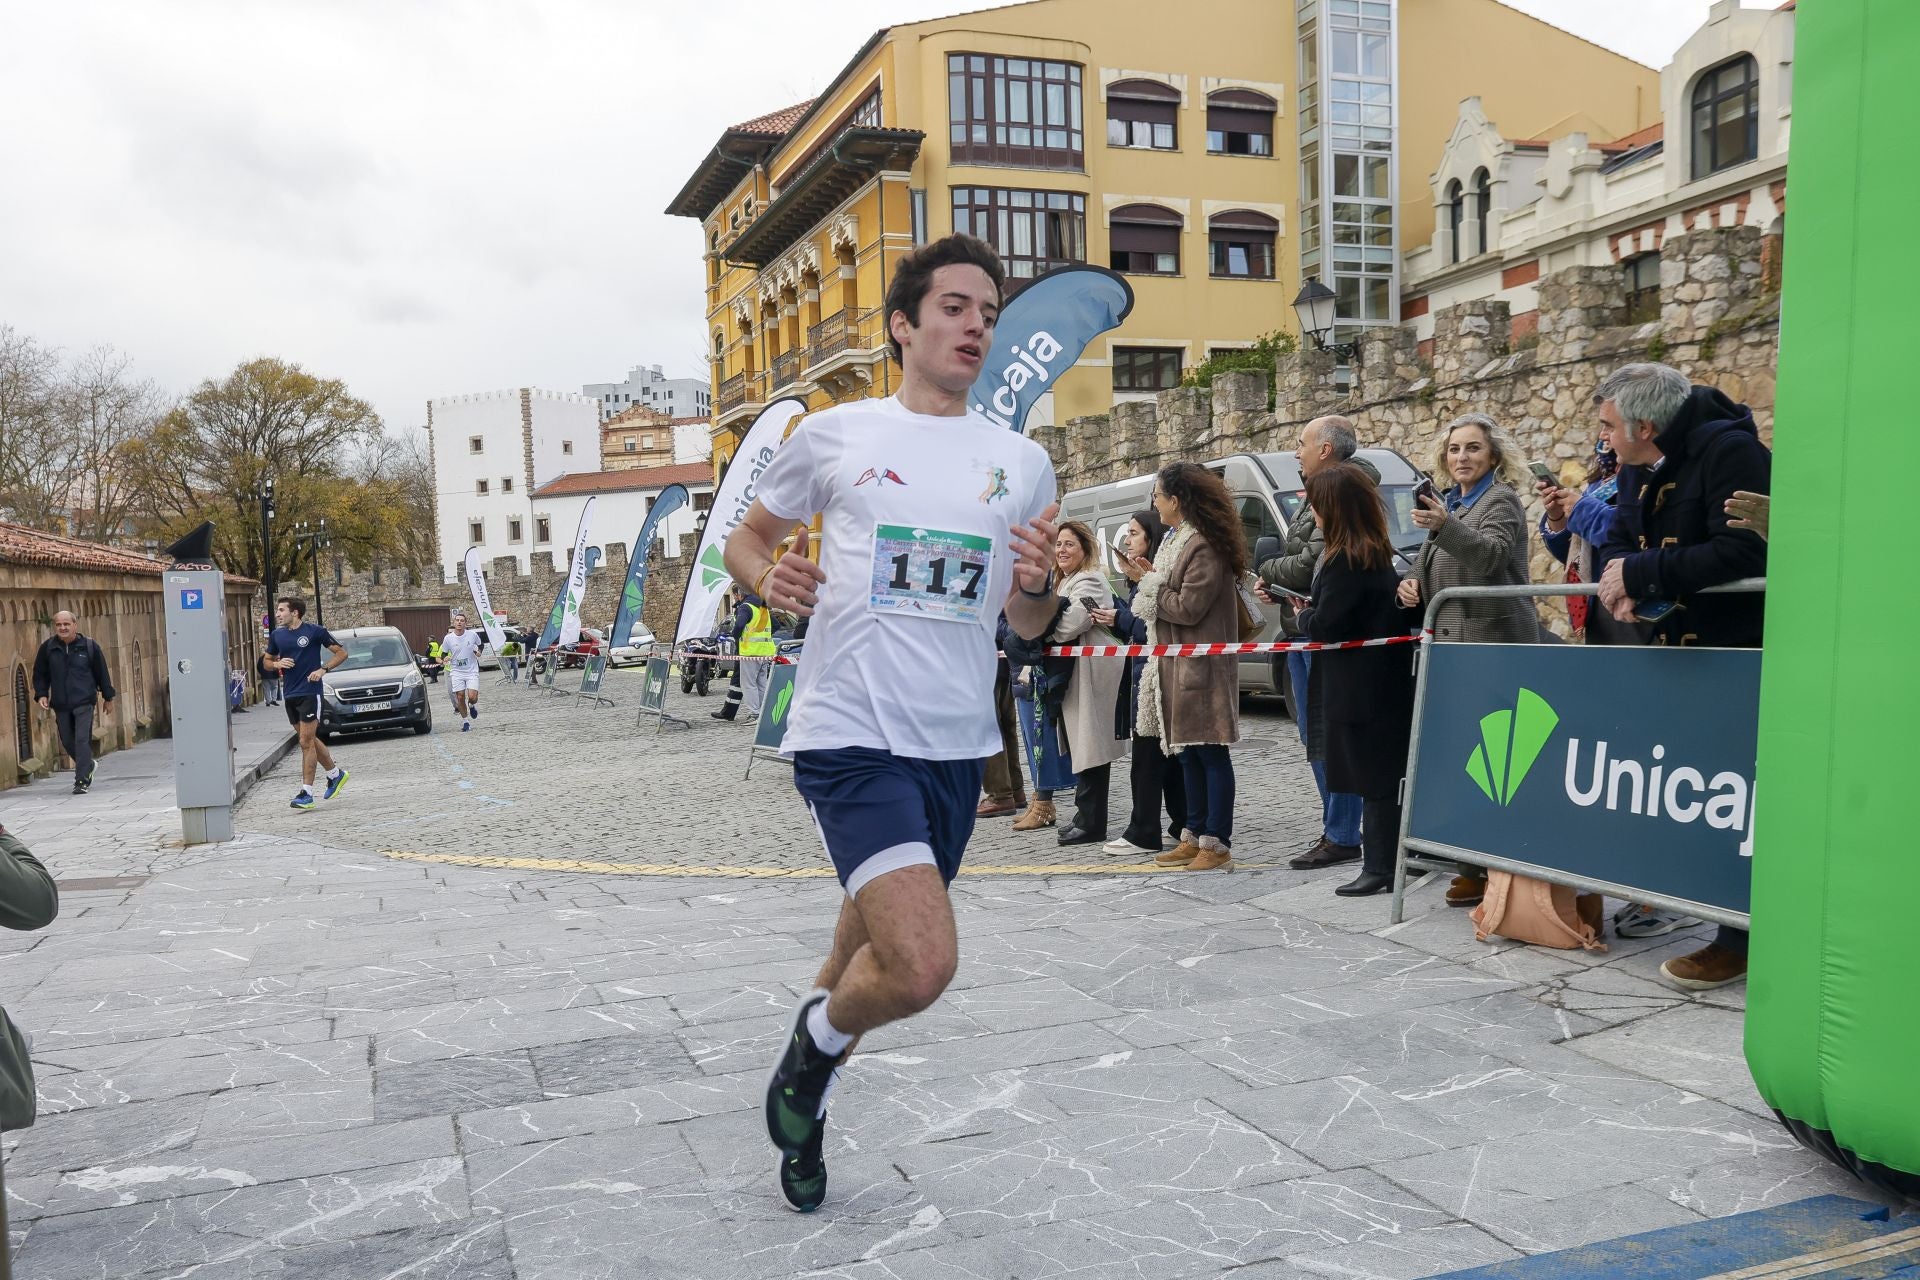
762,580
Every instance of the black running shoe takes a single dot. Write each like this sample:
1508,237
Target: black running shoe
797,1089
803,1177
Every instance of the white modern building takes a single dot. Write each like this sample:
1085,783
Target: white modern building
648,385
491,450
624,498
1511,210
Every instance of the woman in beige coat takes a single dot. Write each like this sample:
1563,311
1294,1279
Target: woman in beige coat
1193,704
1092,716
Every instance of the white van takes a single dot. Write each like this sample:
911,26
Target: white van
1267,490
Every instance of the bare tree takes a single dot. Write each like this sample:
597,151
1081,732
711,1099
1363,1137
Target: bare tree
33,481
103,409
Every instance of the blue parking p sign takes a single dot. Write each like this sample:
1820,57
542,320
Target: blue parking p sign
192,598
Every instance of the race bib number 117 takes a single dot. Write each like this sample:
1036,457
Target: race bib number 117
929,573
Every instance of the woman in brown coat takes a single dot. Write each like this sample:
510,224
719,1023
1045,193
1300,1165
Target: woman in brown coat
1193,704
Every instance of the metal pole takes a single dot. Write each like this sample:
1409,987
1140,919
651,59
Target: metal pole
266,541
319,606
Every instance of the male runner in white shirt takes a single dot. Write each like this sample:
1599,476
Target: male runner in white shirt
463,669
892,716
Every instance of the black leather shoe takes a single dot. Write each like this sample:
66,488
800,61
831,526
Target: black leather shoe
1074,835
1366,884
720,715
1325,854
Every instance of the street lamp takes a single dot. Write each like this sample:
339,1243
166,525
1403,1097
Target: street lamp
266,537
317,536
1315,307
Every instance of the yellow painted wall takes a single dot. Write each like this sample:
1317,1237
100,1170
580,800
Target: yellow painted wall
1529,75
1193,307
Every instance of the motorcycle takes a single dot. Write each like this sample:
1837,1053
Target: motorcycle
697,665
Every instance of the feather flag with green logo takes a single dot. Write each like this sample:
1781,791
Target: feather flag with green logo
733,498
634,595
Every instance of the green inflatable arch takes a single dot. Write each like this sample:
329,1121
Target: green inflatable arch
1833,1015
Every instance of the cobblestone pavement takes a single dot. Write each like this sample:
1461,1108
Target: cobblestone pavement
292,1056
554,778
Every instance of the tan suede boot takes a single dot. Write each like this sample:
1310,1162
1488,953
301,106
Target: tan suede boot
1181,854
1213,856
1039,814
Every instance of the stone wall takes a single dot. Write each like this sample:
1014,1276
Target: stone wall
357,600
1719,323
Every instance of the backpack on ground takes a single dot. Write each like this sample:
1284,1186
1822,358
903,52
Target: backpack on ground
1529,910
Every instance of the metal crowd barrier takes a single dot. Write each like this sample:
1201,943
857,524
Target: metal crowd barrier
1451,858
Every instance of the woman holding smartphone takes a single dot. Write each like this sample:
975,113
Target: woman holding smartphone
1360,699
1155,775
1476,537
1090,715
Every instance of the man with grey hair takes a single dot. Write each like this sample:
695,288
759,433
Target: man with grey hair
1324,442
1684,451
69,676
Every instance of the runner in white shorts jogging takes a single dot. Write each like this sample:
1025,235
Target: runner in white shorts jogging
934,522
463,669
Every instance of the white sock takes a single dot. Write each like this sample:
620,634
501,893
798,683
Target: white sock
306,788
830,1040
335,772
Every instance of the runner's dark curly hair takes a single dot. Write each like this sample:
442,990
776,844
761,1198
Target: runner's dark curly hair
1206,505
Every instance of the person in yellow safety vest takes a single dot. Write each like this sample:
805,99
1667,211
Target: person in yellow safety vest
753,625
438,656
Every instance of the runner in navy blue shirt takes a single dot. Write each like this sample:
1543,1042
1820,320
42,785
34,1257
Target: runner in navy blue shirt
294,649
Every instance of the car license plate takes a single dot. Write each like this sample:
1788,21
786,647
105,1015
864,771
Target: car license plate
373,706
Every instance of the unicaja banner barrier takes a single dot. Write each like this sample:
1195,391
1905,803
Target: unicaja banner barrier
1627,766
1040,334
707,577
633,596
477,584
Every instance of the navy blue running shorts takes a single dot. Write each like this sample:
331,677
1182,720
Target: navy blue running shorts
878,812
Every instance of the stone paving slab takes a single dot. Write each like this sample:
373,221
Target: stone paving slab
295,1055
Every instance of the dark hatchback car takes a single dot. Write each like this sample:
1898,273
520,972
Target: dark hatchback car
377,687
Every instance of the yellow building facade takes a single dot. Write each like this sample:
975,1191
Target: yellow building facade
1217,154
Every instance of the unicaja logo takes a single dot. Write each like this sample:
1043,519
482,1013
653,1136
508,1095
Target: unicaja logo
1510,741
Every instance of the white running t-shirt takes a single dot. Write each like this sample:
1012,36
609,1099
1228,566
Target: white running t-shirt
917,550
463,650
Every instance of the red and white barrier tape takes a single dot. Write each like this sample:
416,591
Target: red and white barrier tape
1220,650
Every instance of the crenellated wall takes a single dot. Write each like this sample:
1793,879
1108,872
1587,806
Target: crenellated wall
1719,323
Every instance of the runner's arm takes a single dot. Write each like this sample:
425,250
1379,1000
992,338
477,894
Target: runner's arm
791,581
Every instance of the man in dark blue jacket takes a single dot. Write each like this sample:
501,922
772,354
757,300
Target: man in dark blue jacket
1684,450
69,676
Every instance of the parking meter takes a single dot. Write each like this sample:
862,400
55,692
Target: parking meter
197,678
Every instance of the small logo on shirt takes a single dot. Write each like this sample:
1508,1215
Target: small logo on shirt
879,475
996,484
301,642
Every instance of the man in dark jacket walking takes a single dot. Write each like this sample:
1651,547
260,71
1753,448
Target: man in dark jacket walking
1684,450
69,676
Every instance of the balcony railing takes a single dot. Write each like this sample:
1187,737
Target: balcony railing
741,388
830,336
787,366
844,331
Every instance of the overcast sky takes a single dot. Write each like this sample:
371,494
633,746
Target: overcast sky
422,197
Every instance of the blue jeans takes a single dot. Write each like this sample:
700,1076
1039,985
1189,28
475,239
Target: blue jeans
1339,812
1209,779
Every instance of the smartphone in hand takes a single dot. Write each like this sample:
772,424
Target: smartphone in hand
1654,610
1540,472
1424,489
